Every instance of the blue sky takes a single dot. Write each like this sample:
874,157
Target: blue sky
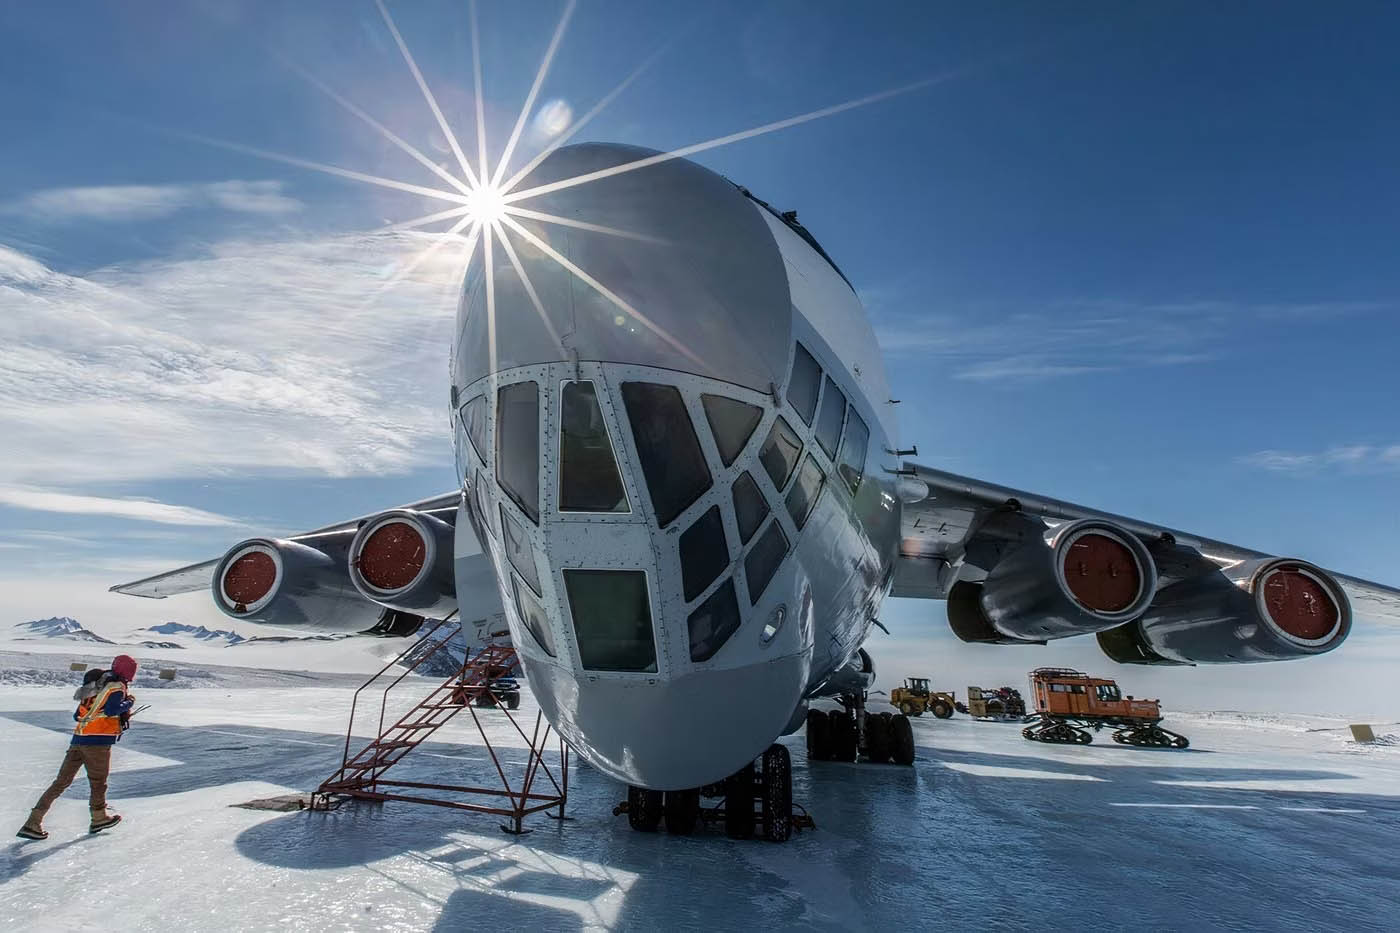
1139,257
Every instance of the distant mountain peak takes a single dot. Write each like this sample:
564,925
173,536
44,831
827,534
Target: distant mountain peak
60,627
196,631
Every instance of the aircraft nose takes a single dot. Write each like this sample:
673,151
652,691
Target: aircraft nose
676,734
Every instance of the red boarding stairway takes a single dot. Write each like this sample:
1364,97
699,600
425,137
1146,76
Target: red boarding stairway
362,775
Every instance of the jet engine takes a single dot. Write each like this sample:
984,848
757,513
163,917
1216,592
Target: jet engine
1268,609
1081,577
402,560
277,582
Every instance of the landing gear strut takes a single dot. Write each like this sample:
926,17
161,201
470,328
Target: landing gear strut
850,733
755,800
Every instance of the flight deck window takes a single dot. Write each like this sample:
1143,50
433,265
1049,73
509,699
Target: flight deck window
518,550
732,422
518,445
851,463
779,452
803,494
829,421
750,508
704,553
588,477
802,388
670,453
533,615
763,561
713,622
474,417
612,619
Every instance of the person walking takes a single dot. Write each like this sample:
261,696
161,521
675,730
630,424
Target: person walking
104,704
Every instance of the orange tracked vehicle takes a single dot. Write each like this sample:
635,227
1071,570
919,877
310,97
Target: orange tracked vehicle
1069,703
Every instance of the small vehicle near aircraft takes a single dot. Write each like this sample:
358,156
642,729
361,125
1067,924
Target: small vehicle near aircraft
1001,703
1069,703
914,698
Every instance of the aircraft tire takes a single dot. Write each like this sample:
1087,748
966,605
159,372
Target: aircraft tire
738,804
682,811
776,809
818,735
643,809
843,737
877,738
902,744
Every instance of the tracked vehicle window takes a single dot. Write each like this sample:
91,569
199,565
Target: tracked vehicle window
732,422
802,388
851,463
713,622
588,477
803,494
750,508
829,421
1109,692
763,561
667,446
532,614
779,452
518,445
704,553
474,417
518,550
612,619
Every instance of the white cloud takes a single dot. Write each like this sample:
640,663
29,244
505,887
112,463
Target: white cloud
145,202
1349,457
290,357
146,510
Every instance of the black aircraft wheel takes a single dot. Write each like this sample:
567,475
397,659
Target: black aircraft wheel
877,738
942,710
643,809
843,737
682,811
777,794
902,744
818,735
738,804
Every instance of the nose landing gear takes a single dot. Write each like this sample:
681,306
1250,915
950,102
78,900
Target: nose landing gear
757,800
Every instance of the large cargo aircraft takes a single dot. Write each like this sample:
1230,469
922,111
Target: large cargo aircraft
681,485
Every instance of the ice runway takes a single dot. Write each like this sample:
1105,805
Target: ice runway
1260,825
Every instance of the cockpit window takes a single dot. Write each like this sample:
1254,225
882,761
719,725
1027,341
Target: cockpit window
518,445
670,453
704,553
533,615
765,558
713,622
612,619
802,388
588,477
851,463
518,550
483,511
750,508
833,411
732,422
803,494
474,417
780,452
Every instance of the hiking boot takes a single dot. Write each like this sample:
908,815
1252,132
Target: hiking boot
33,827
101,820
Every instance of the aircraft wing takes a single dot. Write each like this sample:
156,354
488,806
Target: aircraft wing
938,529
199,576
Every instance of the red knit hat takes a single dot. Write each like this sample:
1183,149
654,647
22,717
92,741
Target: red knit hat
124,666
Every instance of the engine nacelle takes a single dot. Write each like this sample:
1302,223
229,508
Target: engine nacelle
1084,576
402,560
1269,609
276,582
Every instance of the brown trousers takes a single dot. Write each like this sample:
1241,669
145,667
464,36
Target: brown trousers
97,759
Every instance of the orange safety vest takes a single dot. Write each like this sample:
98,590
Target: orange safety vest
91,718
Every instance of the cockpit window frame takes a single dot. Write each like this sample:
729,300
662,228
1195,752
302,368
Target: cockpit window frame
506,479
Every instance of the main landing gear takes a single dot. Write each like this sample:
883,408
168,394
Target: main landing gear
755,801
852,734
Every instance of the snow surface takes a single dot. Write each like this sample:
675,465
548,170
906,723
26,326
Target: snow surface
1265,823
